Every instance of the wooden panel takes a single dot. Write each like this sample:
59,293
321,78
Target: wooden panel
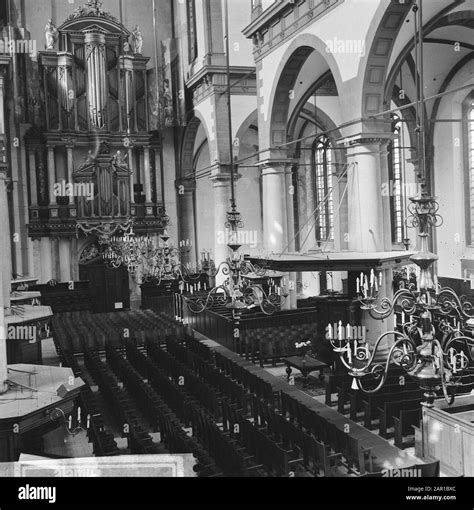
449,438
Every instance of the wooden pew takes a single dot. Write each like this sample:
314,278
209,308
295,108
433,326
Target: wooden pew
403,425
372,401
391,410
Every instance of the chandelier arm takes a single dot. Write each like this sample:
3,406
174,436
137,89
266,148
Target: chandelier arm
403,297
447,306
449,398
199,302
467,341
359,371
224,266
385,369
262,302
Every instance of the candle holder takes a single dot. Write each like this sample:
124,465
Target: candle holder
430,347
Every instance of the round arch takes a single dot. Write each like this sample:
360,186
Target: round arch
287,73
377,59
186,167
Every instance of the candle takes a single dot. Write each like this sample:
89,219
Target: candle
380,279
358,286
403,317
340,330
329,330
367,351
70,421
348,331
395,324
349,353
371,278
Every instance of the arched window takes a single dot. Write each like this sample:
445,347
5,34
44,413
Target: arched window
468,114
323,161
396,184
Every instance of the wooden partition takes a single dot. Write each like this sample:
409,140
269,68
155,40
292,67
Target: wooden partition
263,337
65,297
447,435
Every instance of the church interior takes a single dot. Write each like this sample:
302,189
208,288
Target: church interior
240,232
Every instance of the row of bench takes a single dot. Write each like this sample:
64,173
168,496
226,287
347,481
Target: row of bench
121,405
229,455
158,413
294,443
73,329
103,441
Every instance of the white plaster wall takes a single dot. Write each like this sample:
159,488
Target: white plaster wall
450,182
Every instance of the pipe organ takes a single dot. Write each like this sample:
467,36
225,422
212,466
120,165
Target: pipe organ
93,133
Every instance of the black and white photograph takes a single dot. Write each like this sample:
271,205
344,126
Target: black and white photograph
237,241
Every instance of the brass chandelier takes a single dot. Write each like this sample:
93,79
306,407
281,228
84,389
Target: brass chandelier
431,346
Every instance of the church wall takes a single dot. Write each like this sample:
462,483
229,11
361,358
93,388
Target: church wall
240,46
450,181
169,173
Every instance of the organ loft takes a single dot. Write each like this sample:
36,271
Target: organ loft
237,241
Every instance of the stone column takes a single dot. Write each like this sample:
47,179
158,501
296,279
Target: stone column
35,258
74,260
33,183
5,277
132,179
290,229
365,156
65,259
51,174
186,190
146,170
5,249
46,260
221,182
70,164
275,217
274,206
158,181
366,223
55,258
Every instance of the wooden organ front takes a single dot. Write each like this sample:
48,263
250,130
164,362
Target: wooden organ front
93,133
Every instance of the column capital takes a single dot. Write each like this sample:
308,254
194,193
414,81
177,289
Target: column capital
360,139
220,174
275,166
